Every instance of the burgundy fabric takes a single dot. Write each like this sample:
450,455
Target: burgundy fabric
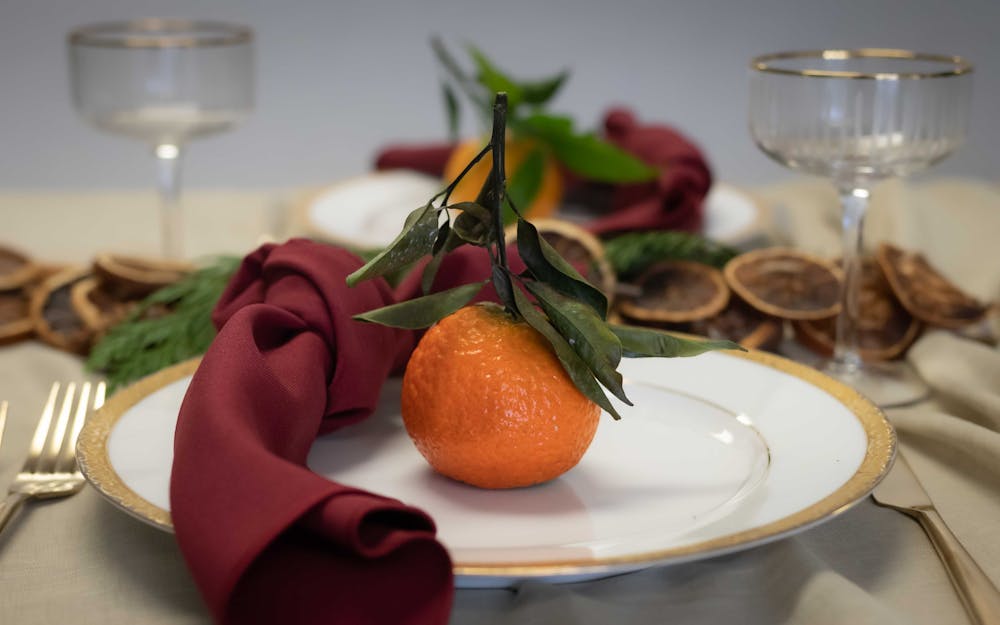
673,201
266,539
428,158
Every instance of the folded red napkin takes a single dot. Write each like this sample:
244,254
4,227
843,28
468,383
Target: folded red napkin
266,539
673,201
428,159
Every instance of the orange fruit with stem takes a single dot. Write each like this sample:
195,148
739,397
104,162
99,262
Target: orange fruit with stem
486,402
548,188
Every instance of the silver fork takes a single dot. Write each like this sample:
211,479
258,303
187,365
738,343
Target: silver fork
3,419
50,469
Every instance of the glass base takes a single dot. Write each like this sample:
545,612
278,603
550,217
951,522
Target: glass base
886,384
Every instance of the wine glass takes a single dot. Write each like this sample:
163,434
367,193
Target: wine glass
858,117
165,82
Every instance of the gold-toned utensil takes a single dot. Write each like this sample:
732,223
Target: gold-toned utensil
50,469
3,419
902,491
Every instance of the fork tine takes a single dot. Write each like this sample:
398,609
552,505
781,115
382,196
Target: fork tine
67,461
57,434
102,388
3,419
41,432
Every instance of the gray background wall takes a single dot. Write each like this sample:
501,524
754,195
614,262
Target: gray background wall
339,79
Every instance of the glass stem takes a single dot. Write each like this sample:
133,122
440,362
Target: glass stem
854,205
168,164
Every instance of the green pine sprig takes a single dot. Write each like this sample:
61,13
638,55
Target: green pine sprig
629,254
551,296
167,327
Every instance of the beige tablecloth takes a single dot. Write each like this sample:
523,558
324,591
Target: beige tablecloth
80,560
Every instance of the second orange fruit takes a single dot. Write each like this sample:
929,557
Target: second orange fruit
516,150
487,402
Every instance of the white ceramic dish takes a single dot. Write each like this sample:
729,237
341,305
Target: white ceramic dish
368,211
722,452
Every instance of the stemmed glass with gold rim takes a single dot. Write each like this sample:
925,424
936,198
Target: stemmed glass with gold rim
859,117
165,82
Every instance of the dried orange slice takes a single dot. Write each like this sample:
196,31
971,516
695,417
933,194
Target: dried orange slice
786,283
924,292
741,323
134,277
55,320
96,307
15,320
16,269
884,328
580,248
676,291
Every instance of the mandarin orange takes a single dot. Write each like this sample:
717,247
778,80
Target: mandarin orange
486,402
546,199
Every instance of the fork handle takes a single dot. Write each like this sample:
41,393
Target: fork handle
978,594
9,507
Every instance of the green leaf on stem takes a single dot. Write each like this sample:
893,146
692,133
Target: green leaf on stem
540,92
646,342
453,111
586,154
575,367
546,265
587,334
506,291
524,184
423,312
494,79
474,224
416,239
441,247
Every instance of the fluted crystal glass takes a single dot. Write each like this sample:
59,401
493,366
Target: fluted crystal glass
859,117
164,82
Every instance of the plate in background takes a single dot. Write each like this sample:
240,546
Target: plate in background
368,211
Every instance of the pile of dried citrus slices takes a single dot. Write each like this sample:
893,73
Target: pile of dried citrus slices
70,307
758,293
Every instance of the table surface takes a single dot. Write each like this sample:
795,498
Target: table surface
82,559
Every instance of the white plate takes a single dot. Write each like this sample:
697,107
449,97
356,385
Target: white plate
369,210
722,452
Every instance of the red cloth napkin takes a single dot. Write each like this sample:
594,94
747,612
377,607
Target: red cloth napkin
673,201
266,539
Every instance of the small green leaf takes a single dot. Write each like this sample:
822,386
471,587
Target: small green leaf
473,225
544,125
494,79
541,91
645,342
487,194
416,239
548,266
586,154
505,290
574,366
524,184
422,312
452,109
438,252
587,334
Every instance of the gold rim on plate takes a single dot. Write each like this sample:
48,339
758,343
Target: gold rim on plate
157,32
92,453
769,63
